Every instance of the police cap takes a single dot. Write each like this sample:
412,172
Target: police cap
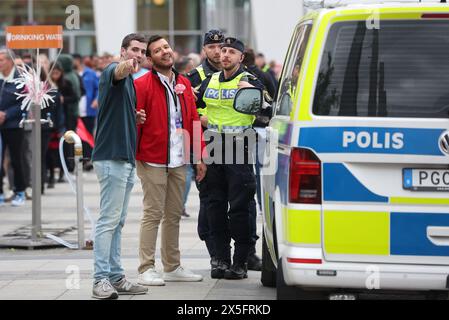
234,43
213,36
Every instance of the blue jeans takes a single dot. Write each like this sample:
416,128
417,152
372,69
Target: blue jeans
116,179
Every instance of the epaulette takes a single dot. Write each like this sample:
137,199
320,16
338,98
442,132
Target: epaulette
192,73
251,76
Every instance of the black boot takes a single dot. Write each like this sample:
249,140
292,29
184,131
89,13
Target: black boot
254,263
213,262
237,271
219,271
51,181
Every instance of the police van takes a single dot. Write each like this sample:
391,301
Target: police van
359,199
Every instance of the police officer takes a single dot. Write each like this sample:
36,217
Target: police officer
231,185
212,42
213,39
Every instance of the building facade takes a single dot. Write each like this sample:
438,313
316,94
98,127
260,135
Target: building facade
183,22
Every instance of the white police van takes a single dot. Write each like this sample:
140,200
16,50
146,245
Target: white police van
360,133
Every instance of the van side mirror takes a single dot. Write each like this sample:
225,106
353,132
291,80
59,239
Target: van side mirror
248,101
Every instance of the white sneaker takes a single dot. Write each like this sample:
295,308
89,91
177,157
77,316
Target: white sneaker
19,199
150,278
181,274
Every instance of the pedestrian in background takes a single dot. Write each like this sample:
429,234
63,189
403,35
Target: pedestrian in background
88,104
12,134
67,96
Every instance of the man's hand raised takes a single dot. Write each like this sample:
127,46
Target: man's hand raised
125,68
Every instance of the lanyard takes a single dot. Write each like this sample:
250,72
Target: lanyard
173,95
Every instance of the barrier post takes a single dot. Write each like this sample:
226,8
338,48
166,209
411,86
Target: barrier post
72,138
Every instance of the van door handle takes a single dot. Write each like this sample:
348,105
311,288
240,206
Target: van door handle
438,235
282,148
268,131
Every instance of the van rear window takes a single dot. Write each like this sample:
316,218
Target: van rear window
398,70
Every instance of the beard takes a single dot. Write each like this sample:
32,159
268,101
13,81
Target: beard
228,66
215,60
163,64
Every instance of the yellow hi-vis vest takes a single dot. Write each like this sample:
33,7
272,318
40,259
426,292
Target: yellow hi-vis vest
219,99
201,72
200,69
266,68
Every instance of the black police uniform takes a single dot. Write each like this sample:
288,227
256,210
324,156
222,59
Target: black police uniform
222,180
203,228
194,75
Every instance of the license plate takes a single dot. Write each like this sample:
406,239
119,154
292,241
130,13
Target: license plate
426,179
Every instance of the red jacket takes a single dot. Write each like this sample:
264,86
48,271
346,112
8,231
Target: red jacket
153,137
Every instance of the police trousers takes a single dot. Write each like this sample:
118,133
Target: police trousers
231,189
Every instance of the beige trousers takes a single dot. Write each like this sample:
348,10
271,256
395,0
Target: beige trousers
162,205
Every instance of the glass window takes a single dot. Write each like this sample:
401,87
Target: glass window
400,70
66,45
187,15
53,12
13,12
153,14
85,45
187,44
292,68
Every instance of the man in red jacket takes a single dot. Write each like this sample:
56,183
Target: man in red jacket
164,143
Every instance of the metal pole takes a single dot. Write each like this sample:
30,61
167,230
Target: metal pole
30,12
171,22
72,138
36,181
79,197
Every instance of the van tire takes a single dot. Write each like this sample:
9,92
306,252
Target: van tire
286,292
268,276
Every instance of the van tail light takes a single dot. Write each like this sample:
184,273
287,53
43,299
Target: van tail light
305,177
435,16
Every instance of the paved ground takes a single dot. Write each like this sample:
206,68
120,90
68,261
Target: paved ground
52,273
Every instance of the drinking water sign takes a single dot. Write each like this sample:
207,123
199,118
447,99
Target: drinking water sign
34,37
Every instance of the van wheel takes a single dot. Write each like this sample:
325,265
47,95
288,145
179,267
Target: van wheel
268,277
285,292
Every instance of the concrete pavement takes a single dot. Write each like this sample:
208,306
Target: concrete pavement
64,274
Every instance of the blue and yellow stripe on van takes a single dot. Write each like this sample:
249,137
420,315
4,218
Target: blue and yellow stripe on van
365,232
302,226
372,140
337,179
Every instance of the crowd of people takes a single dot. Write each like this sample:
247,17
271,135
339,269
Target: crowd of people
135,105
75,78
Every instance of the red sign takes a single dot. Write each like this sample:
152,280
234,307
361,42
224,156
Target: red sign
34,37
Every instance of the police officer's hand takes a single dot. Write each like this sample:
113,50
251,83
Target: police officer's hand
2,117
203,120
195,93
245,84
200,171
